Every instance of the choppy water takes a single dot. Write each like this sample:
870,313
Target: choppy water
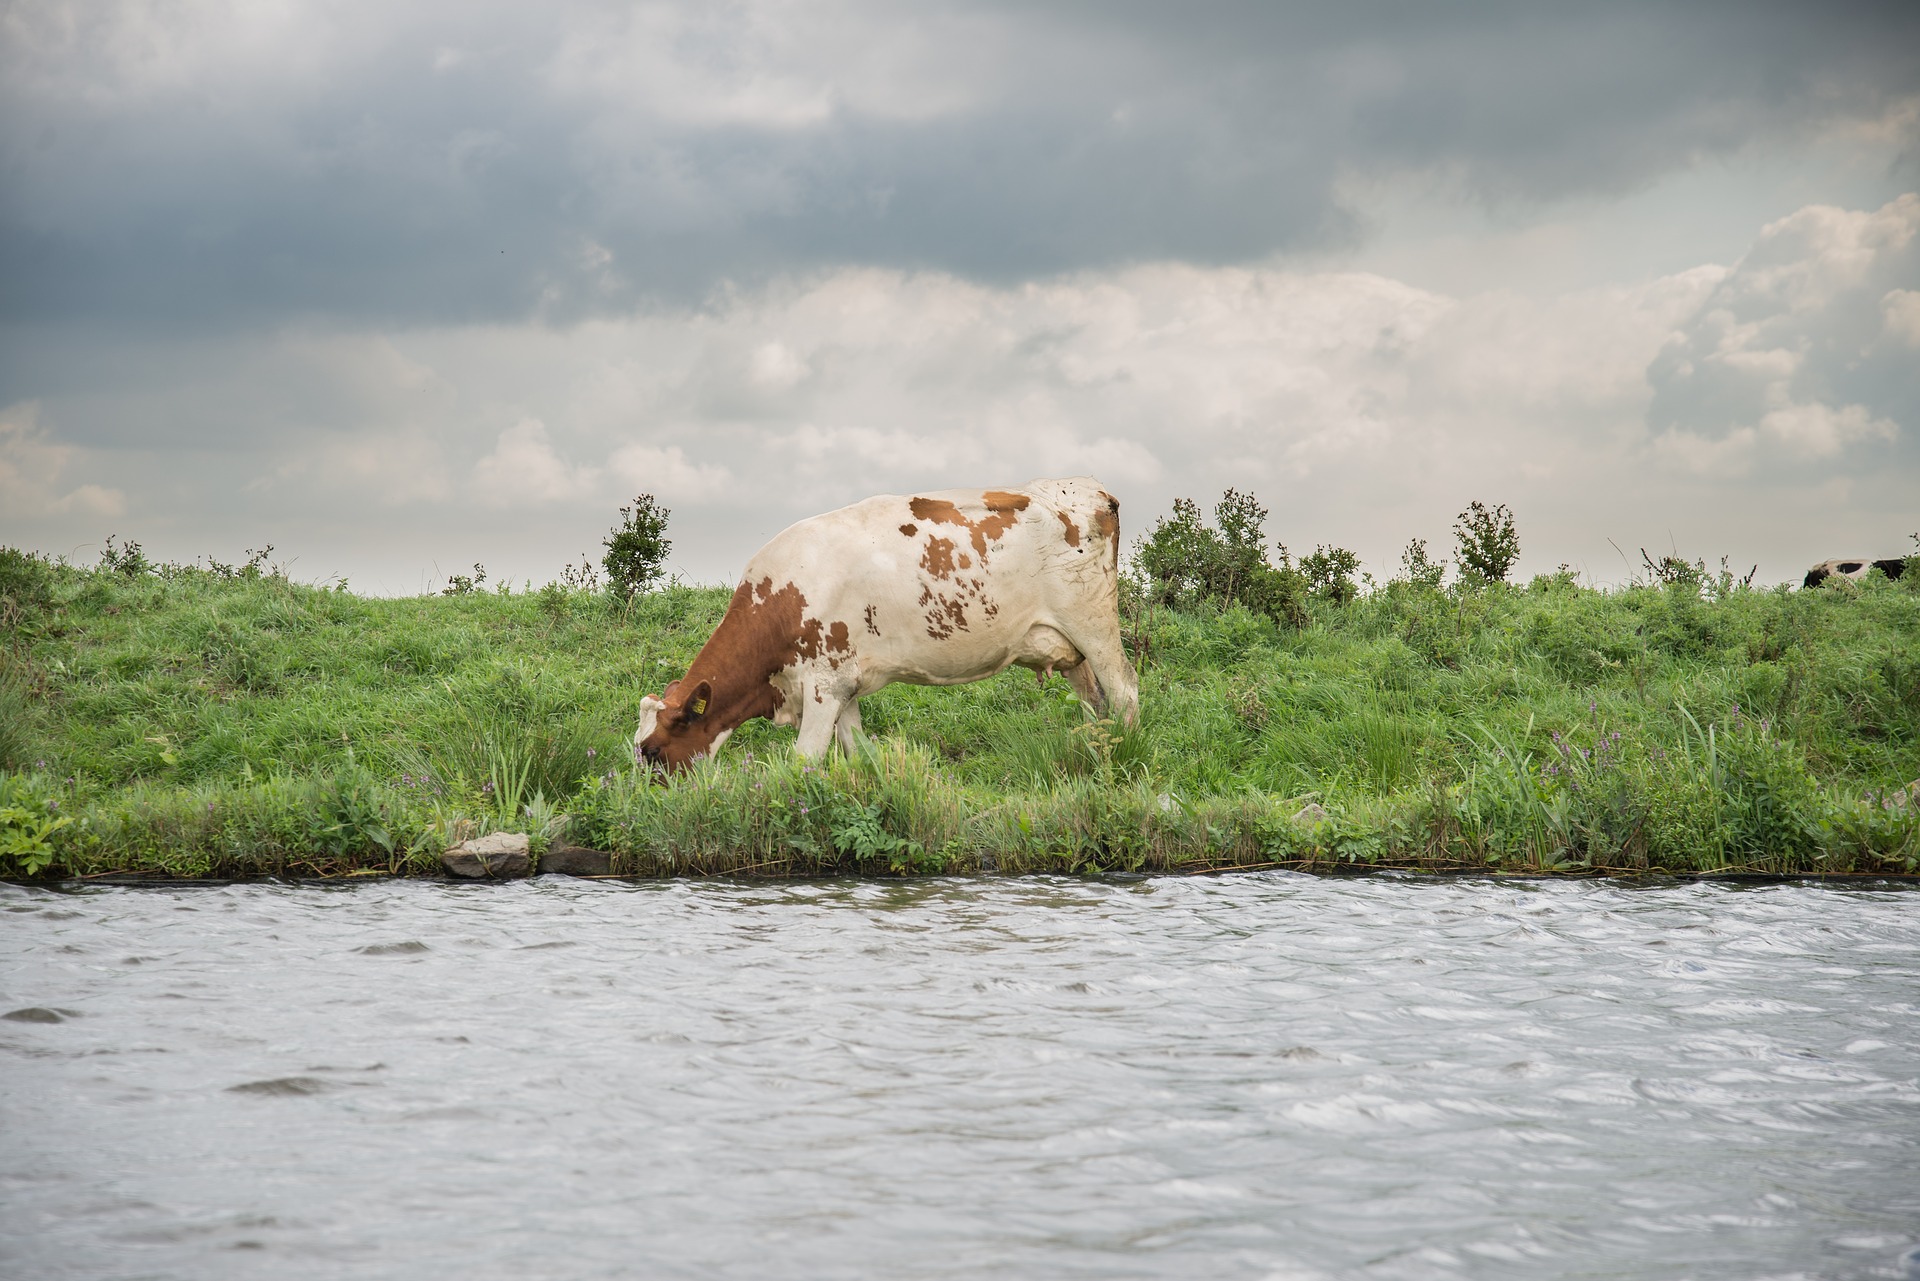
1253,1076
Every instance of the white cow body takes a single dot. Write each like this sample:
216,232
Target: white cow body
932,589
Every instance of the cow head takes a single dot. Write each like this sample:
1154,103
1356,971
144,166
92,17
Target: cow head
678,728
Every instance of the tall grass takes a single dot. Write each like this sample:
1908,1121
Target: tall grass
202,724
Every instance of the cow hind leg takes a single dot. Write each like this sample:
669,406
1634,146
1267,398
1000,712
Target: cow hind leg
1106,662
1086,686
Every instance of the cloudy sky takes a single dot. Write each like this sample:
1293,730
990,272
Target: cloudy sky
401,287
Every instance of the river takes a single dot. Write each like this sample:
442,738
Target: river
1260,1076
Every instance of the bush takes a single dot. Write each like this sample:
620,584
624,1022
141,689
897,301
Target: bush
637,548
1187,564
1416,569
128,559
1487,543
1330,573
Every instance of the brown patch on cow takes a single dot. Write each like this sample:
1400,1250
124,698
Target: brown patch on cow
1003,512
947,616
1072,530
765,630
1106,522
910,530
964,562
815,638
937,511
761,634
873,628
938,559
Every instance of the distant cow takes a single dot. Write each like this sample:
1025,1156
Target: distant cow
1854,569
933,589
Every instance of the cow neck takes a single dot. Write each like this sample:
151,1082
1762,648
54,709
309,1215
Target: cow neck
755,639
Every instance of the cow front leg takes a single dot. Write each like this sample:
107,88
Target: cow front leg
846,728
817,721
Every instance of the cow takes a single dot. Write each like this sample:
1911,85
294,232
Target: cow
1855,569
932,589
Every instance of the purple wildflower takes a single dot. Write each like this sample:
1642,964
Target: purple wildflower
591,753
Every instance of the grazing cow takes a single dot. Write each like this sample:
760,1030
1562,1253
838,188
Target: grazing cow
933,589
1854,569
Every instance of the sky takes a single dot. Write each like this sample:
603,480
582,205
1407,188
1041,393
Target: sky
402,287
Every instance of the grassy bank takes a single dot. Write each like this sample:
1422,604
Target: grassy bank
220,722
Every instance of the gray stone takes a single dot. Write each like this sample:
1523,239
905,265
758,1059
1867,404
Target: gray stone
576,860
38,1014
501,856
1310,814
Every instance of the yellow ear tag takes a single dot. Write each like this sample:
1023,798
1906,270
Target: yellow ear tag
699,707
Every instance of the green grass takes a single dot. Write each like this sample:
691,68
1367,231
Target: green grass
193,723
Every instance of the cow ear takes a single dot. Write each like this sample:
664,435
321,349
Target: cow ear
667,693
696,704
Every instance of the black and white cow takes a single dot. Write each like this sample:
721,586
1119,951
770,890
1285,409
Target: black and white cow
1855,569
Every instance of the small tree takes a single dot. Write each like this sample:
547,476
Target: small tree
1177,556
636,548
1487,543
1330,573
1242,546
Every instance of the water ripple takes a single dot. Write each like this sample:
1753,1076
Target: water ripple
1254,1076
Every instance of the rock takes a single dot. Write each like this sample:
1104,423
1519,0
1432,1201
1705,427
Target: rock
1311,814
1904,797
576,860
38,1014
500,856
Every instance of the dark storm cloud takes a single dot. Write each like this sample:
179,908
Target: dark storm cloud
205,167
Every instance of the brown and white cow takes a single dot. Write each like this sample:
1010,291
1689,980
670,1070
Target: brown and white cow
932,589
1855,568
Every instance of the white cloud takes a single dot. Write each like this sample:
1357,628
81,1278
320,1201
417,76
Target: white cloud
1788,359
1901,308
1821,430
399,467
666,473
1361,409
523,468
33,467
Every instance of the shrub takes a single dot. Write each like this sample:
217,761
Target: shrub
461,585
1188,564
637,548
1329,573
1487,543
1415,568
127,559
